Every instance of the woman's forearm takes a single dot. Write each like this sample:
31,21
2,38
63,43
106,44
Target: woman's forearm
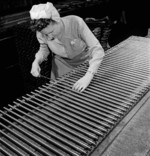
39,58
96,59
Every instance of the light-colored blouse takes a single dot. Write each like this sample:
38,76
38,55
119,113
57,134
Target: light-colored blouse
76,40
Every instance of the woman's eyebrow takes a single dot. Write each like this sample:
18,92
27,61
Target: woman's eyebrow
50,32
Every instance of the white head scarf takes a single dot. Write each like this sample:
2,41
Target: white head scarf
47,11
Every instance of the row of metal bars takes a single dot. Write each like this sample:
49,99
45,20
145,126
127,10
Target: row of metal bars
54,120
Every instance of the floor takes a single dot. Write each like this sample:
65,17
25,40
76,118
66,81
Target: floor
134,137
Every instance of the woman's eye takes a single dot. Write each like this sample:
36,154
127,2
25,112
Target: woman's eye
50,32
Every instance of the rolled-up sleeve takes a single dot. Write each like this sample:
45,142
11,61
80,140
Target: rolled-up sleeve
43,51
94,46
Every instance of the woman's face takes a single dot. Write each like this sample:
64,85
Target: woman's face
52,30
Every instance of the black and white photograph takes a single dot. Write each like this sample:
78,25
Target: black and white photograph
76,78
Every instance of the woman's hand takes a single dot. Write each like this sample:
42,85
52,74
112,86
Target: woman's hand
83,83
35,70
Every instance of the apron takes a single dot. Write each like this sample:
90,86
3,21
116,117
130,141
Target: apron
62,66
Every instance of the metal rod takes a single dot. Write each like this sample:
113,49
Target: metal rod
36,140
46,129
85,105
64,122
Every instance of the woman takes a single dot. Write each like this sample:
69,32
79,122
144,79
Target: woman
69,39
